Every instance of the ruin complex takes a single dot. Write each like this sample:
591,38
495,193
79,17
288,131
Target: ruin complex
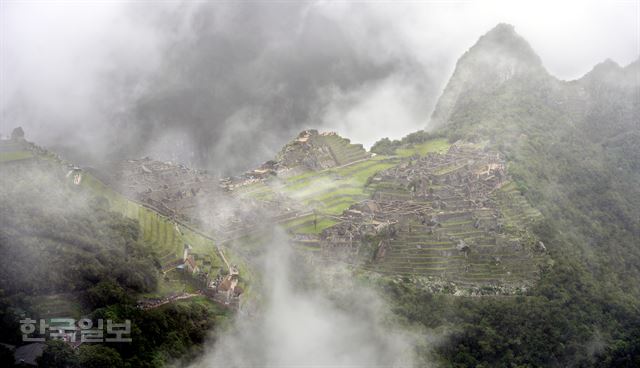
453,216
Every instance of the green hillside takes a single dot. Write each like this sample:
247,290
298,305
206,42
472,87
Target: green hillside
72,251
570,150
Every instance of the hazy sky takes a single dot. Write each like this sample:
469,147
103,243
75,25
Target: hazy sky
189,79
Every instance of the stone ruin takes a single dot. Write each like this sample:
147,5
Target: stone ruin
169,188
195,197
440,215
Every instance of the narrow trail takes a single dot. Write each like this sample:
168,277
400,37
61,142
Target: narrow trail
345,165
224,258
171,299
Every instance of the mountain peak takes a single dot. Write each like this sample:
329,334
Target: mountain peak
502,41
607,66
611,73
502,30
498,57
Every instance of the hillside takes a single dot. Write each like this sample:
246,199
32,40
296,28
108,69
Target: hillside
572,149
572,144
72,248
510,230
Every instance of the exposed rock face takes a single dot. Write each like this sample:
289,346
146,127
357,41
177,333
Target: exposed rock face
441,216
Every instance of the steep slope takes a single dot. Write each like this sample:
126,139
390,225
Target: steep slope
572,150
555,132
453,217
309,151
72,248
500,59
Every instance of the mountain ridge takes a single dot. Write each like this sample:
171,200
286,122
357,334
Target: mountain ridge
502,59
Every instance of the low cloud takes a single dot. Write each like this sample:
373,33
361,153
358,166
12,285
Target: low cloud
302,325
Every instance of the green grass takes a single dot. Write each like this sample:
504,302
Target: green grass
296,222
330,191
15,156
435,145
311,229
166,238
171,285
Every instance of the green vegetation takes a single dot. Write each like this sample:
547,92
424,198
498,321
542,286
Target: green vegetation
56,239
419,142
328,192
575,159
575,166
437,145
166,236
342,149
174,332
65,253
14,156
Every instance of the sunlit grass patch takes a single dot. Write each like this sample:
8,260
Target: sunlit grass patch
439,145
312,228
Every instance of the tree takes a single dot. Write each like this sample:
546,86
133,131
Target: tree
106,293
99,356
385,147
57,354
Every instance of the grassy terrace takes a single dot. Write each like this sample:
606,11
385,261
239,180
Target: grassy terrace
343,151
434,145
15,156
517,212
490,258
417,252
329,192
332,191
167,237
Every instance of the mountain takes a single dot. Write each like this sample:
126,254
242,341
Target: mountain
499,58
500,83
72,248
573,149
510,231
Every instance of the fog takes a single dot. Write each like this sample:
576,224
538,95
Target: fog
341,325
223,85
